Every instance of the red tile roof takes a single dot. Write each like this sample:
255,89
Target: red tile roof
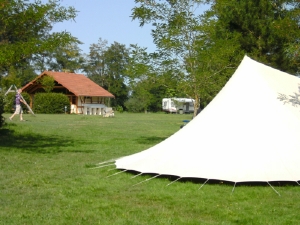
78,84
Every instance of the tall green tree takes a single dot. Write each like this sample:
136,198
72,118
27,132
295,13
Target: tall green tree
293,53
116,60
67,58
181,39
150,78
11,79
95,66
139,72
265,29
1,109
218,54
25,30
18,77
106,66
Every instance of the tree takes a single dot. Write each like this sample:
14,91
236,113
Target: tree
116,60
138,73
182,41
218,55
95,66
25,30
106,66
18,77
26,74
148,78
47,83
264,29
1,109
11,79
140,99
293,53
66,58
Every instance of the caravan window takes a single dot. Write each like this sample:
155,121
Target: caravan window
172,104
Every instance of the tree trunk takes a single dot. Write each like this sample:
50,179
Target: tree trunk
196,105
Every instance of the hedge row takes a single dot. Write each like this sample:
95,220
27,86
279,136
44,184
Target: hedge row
51,103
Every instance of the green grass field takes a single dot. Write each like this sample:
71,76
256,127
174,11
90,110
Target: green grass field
47,176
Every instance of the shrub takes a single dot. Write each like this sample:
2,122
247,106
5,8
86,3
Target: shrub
51,103
134,105
120,109
9,102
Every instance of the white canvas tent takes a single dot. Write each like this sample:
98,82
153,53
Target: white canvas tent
245,134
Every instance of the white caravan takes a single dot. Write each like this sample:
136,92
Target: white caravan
178,105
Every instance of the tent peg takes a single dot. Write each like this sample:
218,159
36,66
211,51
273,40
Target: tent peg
273,188
116,173
146,180
203,184
174,181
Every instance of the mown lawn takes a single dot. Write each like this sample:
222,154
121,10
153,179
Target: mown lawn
48,176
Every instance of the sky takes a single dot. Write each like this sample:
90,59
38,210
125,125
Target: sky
106,19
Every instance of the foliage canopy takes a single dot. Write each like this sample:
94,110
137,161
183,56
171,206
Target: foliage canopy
25,30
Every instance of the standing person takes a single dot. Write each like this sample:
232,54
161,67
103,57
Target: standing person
19,109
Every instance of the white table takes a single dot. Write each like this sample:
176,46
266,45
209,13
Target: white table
93,109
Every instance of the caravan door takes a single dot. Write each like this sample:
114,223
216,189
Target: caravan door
168,105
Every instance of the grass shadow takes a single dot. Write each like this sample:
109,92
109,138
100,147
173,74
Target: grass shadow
150,140
36,143
204,181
